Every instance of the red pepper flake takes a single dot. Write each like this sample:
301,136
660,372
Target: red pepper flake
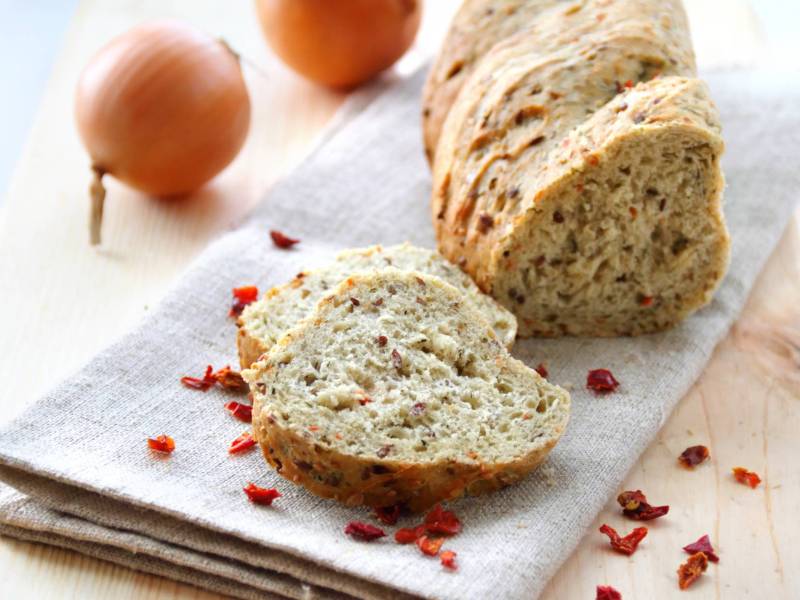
693,456
418,409
242,443
226,377
606,592
313,427
541,369
448,560
406,535
364,401
646,301
363,531
355,301
243,412
208,380
625,545
746,477
397,360
601,380
242,296
429,546
230,380
703,545
387,514
442,521
689,571
629,84
382,340
162,443
281,240
635,506
259,495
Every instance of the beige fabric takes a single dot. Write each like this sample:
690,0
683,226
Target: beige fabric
80,453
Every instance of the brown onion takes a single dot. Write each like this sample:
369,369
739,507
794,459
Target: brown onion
339,43
163,108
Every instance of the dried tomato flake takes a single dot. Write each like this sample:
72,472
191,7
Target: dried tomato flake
363,531
162,443
703,545
601,380
242,443
230,380
635,506
242,296
629,84
541,369
259,495
397,360
442,521
243,412
226,378
606,592
281,240
689,571
448,560
429,546
406,535
746,477
206,382
418,409
355,301
382,340
646,301
387,514
693,456
625,545
364,401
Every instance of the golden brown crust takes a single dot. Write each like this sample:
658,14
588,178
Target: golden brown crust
380,482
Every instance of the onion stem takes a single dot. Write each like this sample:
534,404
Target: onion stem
97,192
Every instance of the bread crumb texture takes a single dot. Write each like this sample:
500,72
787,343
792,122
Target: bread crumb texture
395,390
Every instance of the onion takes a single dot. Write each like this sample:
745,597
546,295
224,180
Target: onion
163,108
339,43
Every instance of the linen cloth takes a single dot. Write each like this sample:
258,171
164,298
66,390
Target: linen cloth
86,480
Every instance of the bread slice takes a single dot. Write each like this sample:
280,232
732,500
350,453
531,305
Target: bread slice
544,27
265,321
395,390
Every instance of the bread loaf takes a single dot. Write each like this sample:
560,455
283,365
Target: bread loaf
581,186
265,321
395,390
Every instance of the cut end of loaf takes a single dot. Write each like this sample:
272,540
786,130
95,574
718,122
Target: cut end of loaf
395,373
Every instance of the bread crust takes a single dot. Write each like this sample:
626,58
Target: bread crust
309,458
545,25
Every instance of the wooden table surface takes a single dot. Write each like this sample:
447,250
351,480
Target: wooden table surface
64,301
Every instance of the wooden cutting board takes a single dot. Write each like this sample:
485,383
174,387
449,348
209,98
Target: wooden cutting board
64,301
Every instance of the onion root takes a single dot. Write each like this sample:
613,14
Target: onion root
97,192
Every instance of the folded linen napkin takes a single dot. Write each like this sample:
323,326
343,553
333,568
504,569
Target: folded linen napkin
88,482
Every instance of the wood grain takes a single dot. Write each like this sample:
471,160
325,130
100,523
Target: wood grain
65,301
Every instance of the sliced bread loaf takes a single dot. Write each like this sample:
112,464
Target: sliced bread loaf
395,390
265,321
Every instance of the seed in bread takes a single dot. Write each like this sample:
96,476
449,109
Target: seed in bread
263,322
396,390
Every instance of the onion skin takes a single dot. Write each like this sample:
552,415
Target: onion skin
163,108
339,43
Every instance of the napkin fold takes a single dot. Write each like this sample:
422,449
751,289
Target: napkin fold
85,479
